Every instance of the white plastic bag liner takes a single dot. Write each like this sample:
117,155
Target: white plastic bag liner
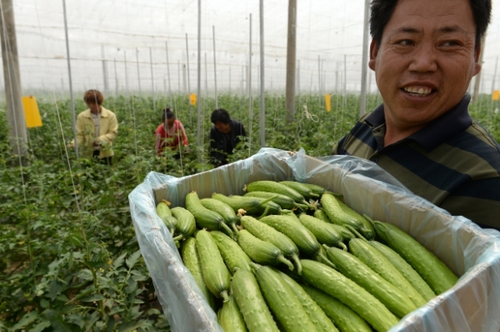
472,305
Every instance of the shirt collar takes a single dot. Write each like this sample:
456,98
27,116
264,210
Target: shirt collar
438,131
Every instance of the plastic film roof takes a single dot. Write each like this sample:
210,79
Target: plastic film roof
132,45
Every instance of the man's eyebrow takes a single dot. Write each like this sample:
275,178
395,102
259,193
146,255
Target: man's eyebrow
445,29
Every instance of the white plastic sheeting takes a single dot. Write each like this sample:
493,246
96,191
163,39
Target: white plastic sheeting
472,253
114,44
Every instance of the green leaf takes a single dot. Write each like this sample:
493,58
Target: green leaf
133,259
85,274
54,288
41,326
26,320
127,327
119,261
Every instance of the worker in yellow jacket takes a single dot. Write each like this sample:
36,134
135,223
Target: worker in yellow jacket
96,128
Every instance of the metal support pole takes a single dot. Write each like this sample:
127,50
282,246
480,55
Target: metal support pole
262,81
70,79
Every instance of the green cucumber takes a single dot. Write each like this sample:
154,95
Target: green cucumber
350,293
435,272
186,223
319,318
330,204
253,307
215,273
282,301
191,260
204,217
303,238
378,263
353,268
284,201
262,252
254,206
276,187
341,315
163,211
223,209
230,318
324,232
232,254
269,234
301,189
406,270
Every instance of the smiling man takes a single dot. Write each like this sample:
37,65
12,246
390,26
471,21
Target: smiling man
424,54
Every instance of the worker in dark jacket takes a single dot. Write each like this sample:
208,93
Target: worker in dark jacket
224,136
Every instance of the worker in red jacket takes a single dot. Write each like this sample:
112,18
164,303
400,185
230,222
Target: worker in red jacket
169,134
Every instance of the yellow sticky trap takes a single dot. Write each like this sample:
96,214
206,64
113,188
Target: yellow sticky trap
192,99
31,112
495,95
328,102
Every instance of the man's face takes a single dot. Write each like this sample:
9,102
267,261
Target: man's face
425,61
224,128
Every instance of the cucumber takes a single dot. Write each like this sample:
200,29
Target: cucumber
330,204
276,187
186,223
348,292
253,307
215,273
284,201
163,211
301,189
317,189
378,263
439,277
204,217
406,270
230,318
302,237
321,214
282,301
341,315
367,229
322,322
269,234
324,232
232,254
254,206
223,209
353,268
262,252
192,262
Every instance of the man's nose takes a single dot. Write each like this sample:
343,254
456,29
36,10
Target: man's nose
424,58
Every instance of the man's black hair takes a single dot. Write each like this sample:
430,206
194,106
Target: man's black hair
220,115
382,10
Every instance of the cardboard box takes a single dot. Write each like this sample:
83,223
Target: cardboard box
472,253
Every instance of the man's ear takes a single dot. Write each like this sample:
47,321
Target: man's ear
477,58
373,54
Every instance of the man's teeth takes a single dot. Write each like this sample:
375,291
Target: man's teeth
418,91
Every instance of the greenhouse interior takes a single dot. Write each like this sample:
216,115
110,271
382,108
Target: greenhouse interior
119,227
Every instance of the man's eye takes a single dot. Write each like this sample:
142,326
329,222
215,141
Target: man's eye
405,43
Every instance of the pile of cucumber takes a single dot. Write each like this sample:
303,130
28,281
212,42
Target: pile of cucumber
291,256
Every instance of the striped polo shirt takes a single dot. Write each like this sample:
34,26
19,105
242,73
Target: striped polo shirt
452,162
